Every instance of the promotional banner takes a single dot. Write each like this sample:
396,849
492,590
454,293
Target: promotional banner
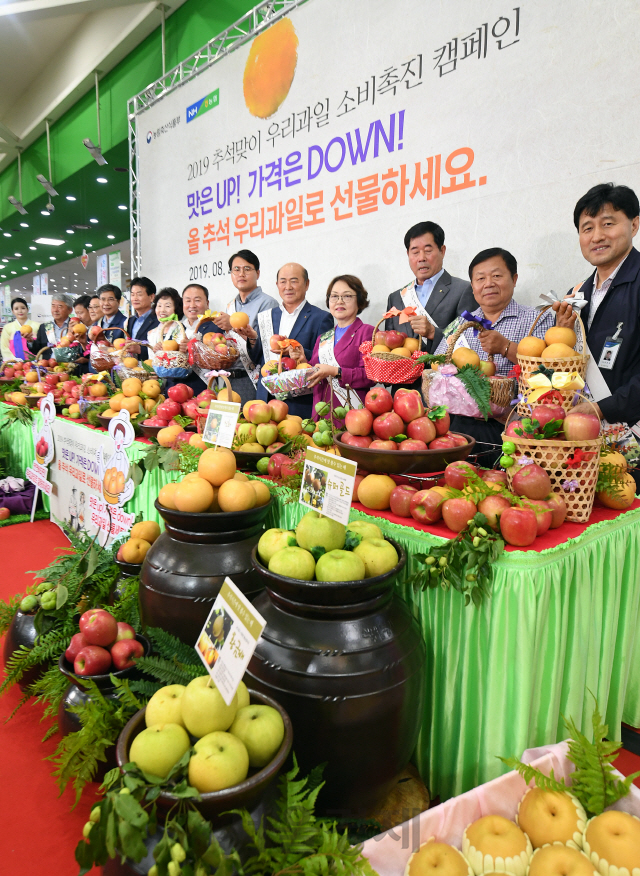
38,473
326,137
102,265
115,271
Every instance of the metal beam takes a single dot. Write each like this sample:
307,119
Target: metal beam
34,9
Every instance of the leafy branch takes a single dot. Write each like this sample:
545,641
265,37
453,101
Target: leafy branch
531,428
478,386
610,479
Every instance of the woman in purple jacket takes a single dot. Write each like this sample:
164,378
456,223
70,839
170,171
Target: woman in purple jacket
337,353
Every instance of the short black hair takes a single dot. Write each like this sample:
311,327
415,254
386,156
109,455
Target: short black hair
248,256
109,287
492,253
95,295
83,301
197,286
19,301
620,197
148,285
174,295
420,230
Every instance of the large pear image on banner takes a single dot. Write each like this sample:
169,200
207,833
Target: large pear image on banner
270,69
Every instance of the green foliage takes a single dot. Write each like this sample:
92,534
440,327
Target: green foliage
7,613
430,358
171,648
50,689
531,429
189,458
19,414
164,457
478,386
126,608
169,671
610,480
593,781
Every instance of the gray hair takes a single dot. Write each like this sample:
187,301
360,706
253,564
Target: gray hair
65,299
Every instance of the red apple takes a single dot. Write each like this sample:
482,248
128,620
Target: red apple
380,338
9,372
531,481
125,631
289,469
378,400
92,660
357,440
458,438
492,507
190,408
288,364
395,339
156,421
400,500
206,395
558,509
386,426
408,405
581,427
444,442
510,430
99,627
518,526
422,428
412,444
275,446
125,652
273,342
544,515
457,513
77,643
359,422
492,476
279,410
168,409
383,445
442,424
546,413
426,506
456,474
179,393
275,464
359,478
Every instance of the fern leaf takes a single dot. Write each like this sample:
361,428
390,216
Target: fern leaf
163,670
478,386
170,647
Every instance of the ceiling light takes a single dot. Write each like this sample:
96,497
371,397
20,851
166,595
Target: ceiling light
53,258
66,288
18,255
13,272
38,263
88,244
95,221
69,252
121,207
101,179
70,231
44,212
111,237
52,241
17,204
4,276
24,268
95,151
70,198
23,225
47,186
33,247
6,234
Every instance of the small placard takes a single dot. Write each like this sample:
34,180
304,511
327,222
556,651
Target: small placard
327,484
220,426
229,638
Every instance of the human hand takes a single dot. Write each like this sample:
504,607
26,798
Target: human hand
422,326
296,353
565,315
134,348
323,372
586,408
223,322
492,341
183,346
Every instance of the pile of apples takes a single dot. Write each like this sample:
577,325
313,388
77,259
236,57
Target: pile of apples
64,391
396,343
398,422
103,644
215,487
349,553
265,428
141,537
558,343
181,402
230,739
578,426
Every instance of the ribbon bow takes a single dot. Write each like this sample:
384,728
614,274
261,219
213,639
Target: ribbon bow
578,456
577,303
405,315
211,374
172,318
469,317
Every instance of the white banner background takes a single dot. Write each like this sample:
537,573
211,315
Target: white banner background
547,113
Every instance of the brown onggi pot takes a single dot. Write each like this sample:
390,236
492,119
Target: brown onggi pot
214,805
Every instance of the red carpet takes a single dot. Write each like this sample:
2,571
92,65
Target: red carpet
39,829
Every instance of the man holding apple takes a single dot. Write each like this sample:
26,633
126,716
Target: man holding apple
51,332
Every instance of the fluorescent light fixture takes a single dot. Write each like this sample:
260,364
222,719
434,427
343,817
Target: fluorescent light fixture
52,241
101,179
88,244
44,212
121,207
69,252
16,203
23,225
53,258
111,237
95,151
6,234
33,247
25,268
95,221
18,255
14,272
70,198
44,182
38,263
70,231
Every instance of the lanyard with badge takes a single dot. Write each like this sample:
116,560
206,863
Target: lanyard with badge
611,349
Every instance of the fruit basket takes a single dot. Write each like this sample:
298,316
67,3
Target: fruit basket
102,355
383,367
289,384
222,521
399,462
171,361
215,351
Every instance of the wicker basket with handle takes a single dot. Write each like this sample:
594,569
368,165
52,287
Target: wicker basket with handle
171,363
389,367
102,356
204,356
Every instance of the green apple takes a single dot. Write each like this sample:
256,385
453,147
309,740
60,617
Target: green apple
274,540
165,706
293,562
379,556
261,729
314,530
246,433
266,434
340,566
158,749
366,530
219,761
203,708
243,695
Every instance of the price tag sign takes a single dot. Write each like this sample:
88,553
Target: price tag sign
327,484
229,638
220,426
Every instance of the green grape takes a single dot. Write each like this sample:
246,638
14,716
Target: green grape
508,447
506,461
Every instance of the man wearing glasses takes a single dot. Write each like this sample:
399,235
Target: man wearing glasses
244,268
110,297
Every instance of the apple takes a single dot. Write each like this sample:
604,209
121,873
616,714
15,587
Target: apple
356,440
581,427
220,760
273,342
378,400
261,729
492,507
157,749
518,526
272,448
274,540
266,434
380,339
378,555
412,445
168,409
293,562
365,529
457,513
359,478
99,627
510,431
340,566
9,372
92,660
387,425
165,706
190,408
156,421
443,442
275,464
422,429
544,515
487,368
125,652
207,395
408,405
288,364
179,393
400,500
259,412
426,506
77,643
279,410
125,631
314,530
531,481
442,424
546,413
458,439
246,433
492,476
558,509
289,469
383,445
395,339
359,422
456,474
203,708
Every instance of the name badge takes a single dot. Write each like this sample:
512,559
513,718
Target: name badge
609,353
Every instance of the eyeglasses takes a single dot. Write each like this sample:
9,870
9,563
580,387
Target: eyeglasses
344,298
245,270
108,300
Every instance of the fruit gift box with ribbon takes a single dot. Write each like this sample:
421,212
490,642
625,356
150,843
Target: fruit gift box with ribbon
284,377
214,350
390,356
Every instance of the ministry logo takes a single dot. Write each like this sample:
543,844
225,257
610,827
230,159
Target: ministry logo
149,136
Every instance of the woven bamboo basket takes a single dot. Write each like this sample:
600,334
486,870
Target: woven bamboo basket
101,356
502,388
164,362
204,356
39,360
552,457
388,367
529,364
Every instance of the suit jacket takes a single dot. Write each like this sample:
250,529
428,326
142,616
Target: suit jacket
620,304
310,324
119,321
449,297
41,339
150,322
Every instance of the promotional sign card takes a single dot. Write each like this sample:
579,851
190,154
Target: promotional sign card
229,638
221,423
327,484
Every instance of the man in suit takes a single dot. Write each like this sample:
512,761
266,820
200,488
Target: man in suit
110,297
144,318
51,331
295,318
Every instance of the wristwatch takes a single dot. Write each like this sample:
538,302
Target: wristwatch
339,374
